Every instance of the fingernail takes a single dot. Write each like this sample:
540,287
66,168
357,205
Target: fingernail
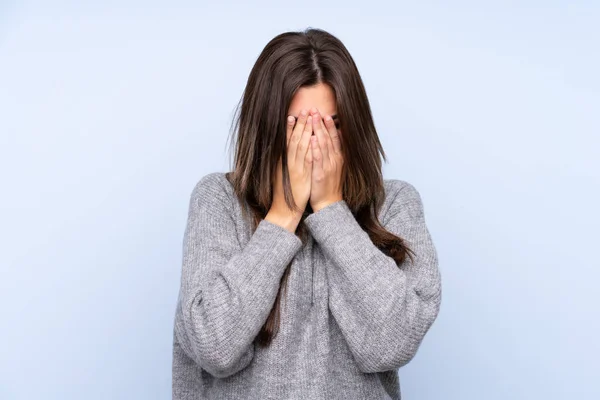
291,119
303,113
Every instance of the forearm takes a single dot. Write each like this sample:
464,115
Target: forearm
383,310
224,309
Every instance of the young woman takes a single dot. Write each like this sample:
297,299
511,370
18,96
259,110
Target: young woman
306,275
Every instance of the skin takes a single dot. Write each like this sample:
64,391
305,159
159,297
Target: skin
315,159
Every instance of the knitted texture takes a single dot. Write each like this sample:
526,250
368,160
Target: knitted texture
350,319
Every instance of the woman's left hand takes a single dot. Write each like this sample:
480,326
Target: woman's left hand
325,144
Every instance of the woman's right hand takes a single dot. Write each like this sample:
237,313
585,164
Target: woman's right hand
299,161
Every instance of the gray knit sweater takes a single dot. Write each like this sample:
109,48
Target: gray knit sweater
350,319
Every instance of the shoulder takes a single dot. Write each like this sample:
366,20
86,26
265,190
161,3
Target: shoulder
400,190
212,189
401,196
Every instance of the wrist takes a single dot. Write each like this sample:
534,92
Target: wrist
322,204
286,219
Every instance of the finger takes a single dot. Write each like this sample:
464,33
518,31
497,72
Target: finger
333,134
321,134
309,158
291,121
297,134
300,124
317,157
302,146
328,138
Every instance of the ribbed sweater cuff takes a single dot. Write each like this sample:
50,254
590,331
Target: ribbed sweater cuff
268,252
334,220
282,239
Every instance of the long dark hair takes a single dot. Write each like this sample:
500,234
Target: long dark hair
292,60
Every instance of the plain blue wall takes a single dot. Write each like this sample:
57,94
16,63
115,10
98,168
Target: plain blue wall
110,113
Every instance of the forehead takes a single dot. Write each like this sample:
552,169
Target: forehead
320,96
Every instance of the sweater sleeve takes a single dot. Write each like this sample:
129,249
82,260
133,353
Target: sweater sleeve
383,311
227,290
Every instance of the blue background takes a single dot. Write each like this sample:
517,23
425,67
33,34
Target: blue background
111,112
